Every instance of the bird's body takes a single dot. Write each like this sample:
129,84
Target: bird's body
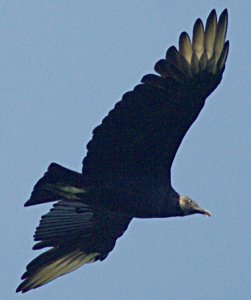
127,171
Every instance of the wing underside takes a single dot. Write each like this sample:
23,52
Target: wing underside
141,135
76,235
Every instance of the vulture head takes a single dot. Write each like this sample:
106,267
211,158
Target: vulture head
190,207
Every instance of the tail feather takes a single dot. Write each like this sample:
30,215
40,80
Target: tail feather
52,264
57,183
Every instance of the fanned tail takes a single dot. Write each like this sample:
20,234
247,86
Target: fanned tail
57,183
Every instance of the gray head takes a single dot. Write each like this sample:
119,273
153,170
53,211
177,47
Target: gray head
189,207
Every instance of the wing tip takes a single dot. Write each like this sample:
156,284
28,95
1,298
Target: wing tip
206,51
51,265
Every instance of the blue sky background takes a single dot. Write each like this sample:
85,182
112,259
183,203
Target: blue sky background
63,66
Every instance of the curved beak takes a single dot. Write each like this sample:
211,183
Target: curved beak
204,212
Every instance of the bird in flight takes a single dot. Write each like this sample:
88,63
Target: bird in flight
126,173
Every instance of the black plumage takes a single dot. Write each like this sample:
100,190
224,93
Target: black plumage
127,171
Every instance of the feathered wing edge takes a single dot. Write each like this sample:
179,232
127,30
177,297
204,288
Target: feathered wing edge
61,228
207,52
52,264
76,232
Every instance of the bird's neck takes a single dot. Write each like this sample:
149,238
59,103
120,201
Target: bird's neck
171,204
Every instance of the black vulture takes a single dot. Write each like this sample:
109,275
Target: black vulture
127,170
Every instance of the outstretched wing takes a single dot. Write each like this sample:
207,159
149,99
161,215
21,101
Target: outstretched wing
77,234
139,138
